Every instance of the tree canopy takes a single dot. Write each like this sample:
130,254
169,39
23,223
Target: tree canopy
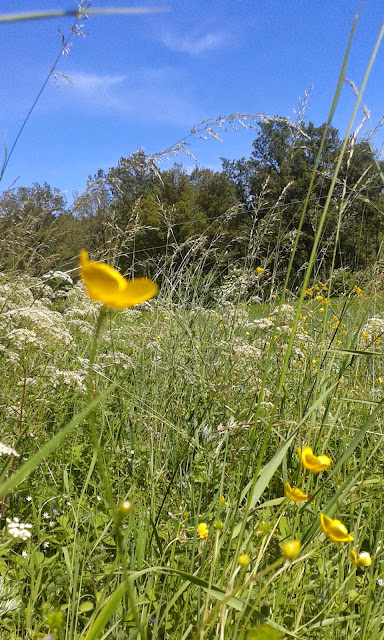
246,214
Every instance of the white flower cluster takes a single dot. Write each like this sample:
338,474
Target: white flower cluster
12,297
45,323
78,303
117,358
7,451
23,337
287,313
18,530
239,285
242,348
261,323
60,276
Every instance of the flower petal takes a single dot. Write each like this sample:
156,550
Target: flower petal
334,529
105,284
311,462
295,494
136,291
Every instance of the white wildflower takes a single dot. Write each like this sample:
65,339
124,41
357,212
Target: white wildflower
5,450
58,277
22,337
18,530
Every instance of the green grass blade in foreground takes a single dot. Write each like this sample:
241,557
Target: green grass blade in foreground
5,159
26,469
79,13
355,352
114,599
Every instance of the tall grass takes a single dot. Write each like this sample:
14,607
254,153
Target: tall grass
153,472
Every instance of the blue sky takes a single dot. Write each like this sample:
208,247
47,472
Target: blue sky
145,81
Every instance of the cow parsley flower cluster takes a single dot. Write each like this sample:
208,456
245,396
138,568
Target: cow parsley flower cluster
5,450
18,530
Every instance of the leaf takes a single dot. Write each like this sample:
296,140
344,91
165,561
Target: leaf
263,633
87,605
355,352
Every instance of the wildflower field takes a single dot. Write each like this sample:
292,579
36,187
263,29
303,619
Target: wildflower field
195,451
227,481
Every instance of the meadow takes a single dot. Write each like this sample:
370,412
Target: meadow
202,462
174,526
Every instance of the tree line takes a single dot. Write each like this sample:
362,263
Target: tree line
143,218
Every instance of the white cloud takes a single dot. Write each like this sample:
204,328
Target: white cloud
160,94
196,45
98,88
92,83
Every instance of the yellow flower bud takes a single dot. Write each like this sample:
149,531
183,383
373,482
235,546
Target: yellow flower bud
291,549
123,510
244,560
125,507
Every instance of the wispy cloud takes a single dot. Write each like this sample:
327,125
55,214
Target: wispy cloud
196,45
92,83
100,88
160,94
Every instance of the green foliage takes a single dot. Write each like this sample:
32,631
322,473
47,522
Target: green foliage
241,217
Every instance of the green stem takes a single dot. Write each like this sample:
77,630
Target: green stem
95,438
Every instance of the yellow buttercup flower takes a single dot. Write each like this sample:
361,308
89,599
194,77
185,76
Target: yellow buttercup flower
105,284
202,530
291,549
259,269
334,529
312,462
243,560
294,494
223,501
362,559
